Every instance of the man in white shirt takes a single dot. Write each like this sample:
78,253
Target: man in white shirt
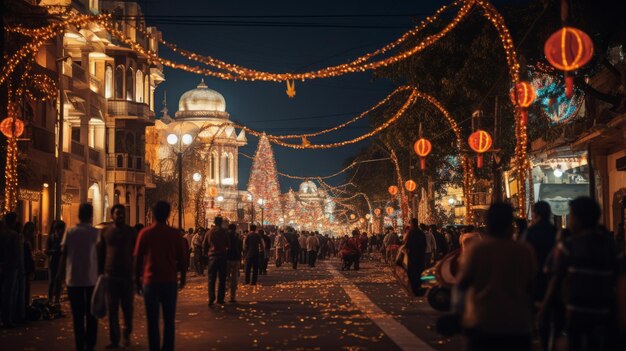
431,245
81,265
312,245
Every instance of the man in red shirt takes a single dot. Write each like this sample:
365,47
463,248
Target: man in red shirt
159,256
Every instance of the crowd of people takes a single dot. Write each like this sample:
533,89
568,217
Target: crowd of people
568,285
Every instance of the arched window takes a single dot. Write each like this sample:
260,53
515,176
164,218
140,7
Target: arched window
119,82
231,165
139,86
225,166
146,89
129,84
108,82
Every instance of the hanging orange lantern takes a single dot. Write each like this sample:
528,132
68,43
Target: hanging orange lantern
377,212
352,216
212,191
393,190
480,141
523,94
390,210
422,148
410,185
7,126
568,49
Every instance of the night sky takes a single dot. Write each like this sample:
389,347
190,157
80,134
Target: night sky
297,44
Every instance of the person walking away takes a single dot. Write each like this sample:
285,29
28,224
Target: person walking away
312,244
351,251
495,287
188,236
265,254
159,256
53,251
431,246
115,246
233,260
585,268
215,245
10,252
80,259
440,242
252,247
415,247
294,247
196,243
541,236
303,252
364,242
280,243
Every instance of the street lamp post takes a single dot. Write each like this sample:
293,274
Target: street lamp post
185,140
261,203
452,203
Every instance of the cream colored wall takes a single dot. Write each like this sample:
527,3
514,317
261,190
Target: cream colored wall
616,181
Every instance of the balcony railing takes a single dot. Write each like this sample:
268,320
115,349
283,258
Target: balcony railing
129,108
40,138
125,161
78,149
94,157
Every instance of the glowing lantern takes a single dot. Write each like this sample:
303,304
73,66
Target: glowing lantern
212,191
393,190
390,210
377,212
523,94
422,148
568,49
410,185
352,216
7,126
362,220
480,141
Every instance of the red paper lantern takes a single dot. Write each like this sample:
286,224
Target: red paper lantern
410,185
390,210
393,190
480,141
377,211
422,148
212,191
568,49
523,94
7,125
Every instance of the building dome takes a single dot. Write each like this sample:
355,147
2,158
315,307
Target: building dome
201,102
308,187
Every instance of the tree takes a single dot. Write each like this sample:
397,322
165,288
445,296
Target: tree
263,182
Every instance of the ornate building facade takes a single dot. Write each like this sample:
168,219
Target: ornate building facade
210,161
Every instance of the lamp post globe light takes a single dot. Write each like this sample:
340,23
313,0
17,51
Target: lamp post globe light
179,142
197,177
452,203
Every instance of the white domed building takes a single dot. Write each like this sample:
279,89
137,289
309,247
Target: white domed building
211,159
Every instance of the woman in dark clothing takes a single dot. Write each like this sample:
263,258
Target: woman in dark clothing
53,251
29,263
294,247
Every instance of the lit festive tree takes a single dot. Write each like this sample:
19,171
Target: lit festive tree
263,182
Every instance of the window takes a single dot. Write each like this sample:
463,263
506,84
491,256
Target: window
129,84
146,90
212,166
119,82
139,86
120,161
108,82
225,166
76,134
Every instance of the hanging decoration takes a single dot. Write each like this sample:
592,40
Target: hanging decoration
12,127
422,148
291,88
523,94
568,49
11,182
390,210
212,191
557,107
377,212
480,141
410,185
393,190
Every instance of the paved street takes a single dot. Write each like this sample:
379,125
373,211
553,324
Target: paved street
311,308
